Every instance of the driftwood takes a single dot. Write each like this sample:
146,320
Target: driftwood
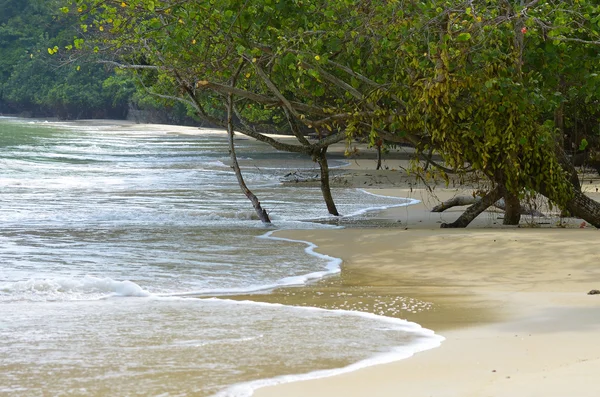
470,200
297,176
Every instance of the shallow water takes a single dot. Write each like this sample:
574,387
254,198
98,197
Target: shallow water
105,231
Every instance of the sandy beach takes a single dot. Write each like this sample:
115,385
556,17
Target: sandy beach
512,302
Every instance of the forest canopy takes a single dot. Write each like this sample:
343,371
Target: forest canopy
33,83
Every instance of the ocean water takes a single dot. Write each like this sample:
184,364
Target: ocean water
119,245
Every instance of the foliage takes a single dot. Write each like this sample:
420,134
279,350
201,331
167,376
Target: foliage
492,86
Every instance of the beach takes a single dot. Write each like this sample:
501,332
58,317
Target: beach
512,302
133,265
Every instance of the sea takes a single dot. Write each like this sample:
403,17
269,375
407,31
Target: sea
121,245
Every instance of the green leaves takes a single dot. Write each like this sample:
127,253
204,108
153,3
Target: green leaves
464,80
463,37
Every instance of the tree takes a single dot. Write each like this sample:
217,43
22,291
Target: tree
193,48
470,79
466,80
489,106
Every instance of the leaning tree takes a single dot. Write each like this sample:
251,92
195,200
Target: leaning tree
229,59
468,80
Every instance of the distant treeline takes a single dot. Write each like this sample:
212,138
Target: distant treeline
33,83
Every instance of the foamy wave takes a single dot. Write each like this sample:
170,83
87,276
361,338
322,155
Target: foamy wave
215,163
333,264
59,289
405,202
228,215
427,340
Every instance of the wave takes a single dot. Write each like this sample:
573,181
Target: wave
342,164
64,288
406,202
215,163
94,288
333,266
427,339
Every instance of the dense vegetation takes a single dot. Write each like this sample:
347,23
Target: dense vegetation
36,82
505,88
31,82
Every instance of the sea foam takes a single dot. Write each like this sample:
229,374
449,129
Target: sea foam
64,289
405,202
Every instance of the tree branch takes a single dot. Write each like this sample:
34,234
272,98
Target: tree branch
265,100
129,66
278,94
594,42
473,211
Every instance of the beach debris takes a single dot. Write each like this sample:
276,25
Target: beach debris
297,176
594,292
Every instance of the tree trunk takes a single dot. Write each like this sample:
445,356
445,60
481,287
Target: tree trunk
378,156
512,209
262,214
321,157
473,211
568,166
459,201
585,208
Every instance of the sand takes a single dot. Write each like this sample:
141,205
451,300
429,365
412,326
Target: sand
512,304
511,301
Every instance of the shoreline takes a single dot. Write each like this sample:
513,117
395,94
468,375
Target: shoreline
426,340
76,286
536,326
499,342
